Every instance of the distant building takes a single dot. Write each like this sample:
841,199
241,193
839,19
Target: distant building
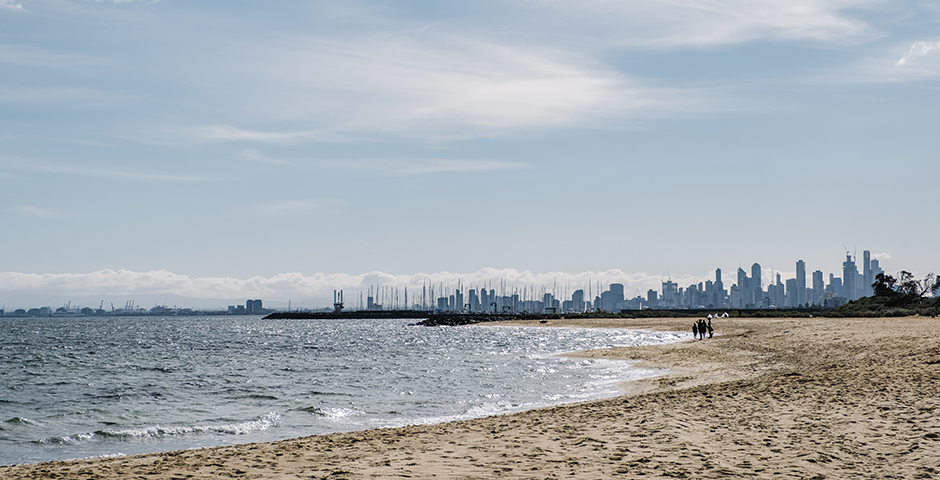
801,283
577,301
757,290
253,307
651,298
819,287
850,278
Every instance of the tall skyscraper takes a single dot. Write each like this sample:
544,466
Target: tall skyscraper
473,300
718,298
819,287
875,270
757,289
617,290
800,283
577,300
849,277
791,293
868,277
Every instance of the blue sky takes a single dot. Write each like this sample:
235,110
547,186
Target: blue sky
218,142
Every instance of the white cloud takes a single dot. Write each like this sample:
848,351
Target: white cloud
228,133
918,49
441,87
319,285
400,167
12,6
678,23
881,256
36,211
884,66
256,156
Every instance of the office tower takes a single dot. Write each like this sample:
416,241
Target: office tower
577,301
253,307
651,298
617,290
875,270
719,288
819,287
867,277
757,290
458,300
670,293
738,294
791,293
849,279
473,300
800,283
779,295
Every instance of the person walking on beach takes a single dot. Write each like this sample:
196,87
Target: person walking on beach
695,330
710,331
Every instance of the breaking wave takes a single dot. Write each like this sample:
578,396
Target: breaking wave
267,421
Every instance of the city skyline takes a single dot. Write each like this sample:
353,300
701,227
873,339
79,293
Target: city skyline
315,292
310,139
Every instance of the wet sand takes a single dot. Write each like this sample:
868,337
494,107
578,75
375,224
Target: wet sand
765,398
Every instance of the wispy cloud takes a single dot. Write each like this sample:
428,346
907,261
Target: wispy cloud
256,156
292,208
228,133
696,23
401,167
58,168
32,211
917,50
12,6
897,63
441,87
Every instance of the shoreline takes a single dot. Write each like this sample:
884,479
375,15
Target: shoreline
764,398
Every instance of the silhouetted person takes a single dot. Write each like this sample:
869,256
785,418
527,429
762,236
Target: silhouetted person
695,330
710,331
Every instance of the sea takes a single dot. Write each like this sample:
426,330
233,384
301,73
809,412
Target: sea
86,387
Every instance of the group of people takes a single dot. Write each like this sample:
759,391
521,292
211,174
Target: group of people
700,327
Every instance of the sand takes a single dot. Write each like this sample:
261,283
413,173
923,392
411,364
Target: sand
765,398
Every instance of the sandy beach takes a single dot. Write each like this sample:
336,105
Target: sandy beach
766,398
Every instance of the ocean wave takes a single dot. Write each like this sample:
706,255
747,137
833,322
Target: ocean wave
267,421
331,412
23,421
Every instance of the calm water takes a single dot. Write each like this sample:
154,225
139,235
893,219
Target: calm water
85,387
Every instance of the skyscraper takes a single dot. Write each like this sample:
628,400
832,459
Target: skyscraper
849,276
800,283
718,297
819,287
577,300
757,289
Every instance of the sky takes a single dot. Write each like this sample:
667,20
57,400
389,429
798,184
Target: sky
232,150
